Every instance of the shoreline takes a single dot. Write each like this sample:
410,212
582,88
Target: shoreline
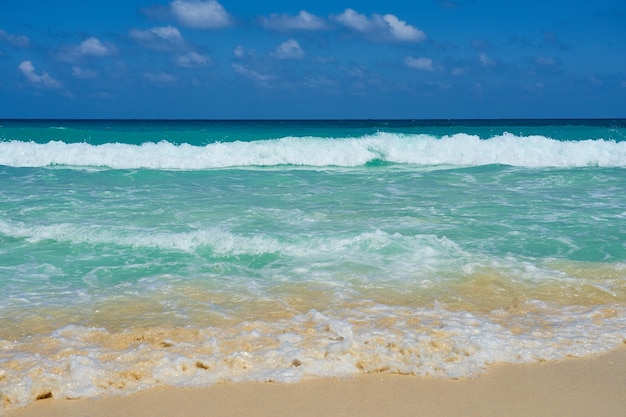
589,386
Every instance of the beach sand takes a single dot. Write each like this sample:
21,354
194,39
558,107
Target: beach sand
593,386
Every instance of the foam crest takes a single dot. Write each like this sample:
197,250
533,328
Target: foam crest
423,150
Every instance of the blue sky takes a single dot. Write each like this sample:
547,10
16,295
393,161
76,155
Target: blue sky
324,59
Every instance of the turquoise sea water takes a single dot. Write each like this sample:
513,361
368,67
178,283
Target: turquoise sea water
135,254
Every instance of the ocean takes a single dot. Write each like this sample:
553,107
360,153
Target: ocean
137,254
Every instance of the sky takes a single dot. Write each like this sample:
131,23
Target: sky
290,59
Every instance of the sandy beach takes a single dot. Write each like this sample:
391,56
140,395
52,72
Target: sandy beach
592,386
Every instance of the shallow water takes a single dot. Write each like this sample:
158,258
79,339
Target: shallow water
135,254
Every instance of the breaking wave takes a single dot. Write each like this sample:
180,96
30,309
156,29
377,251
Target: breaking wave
420,150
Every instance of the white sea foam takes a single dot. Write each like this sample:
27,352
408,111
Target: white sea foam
423,150
225,243
80,362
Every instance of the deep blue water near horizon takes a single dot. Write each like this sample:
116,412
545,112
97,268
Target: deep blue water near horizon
202,132
142,253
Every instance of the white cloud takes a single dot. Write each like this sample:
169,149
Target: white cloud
485,61
192,60
402,32
91,47
94,47
44,80
239,52
353,20
380,27
19,41
200,14
289,50
302,21
168,33
251,74
423,64
164,37
78,72
242,53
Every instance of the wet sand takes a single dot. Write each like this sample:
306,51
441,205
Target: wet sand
592,386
